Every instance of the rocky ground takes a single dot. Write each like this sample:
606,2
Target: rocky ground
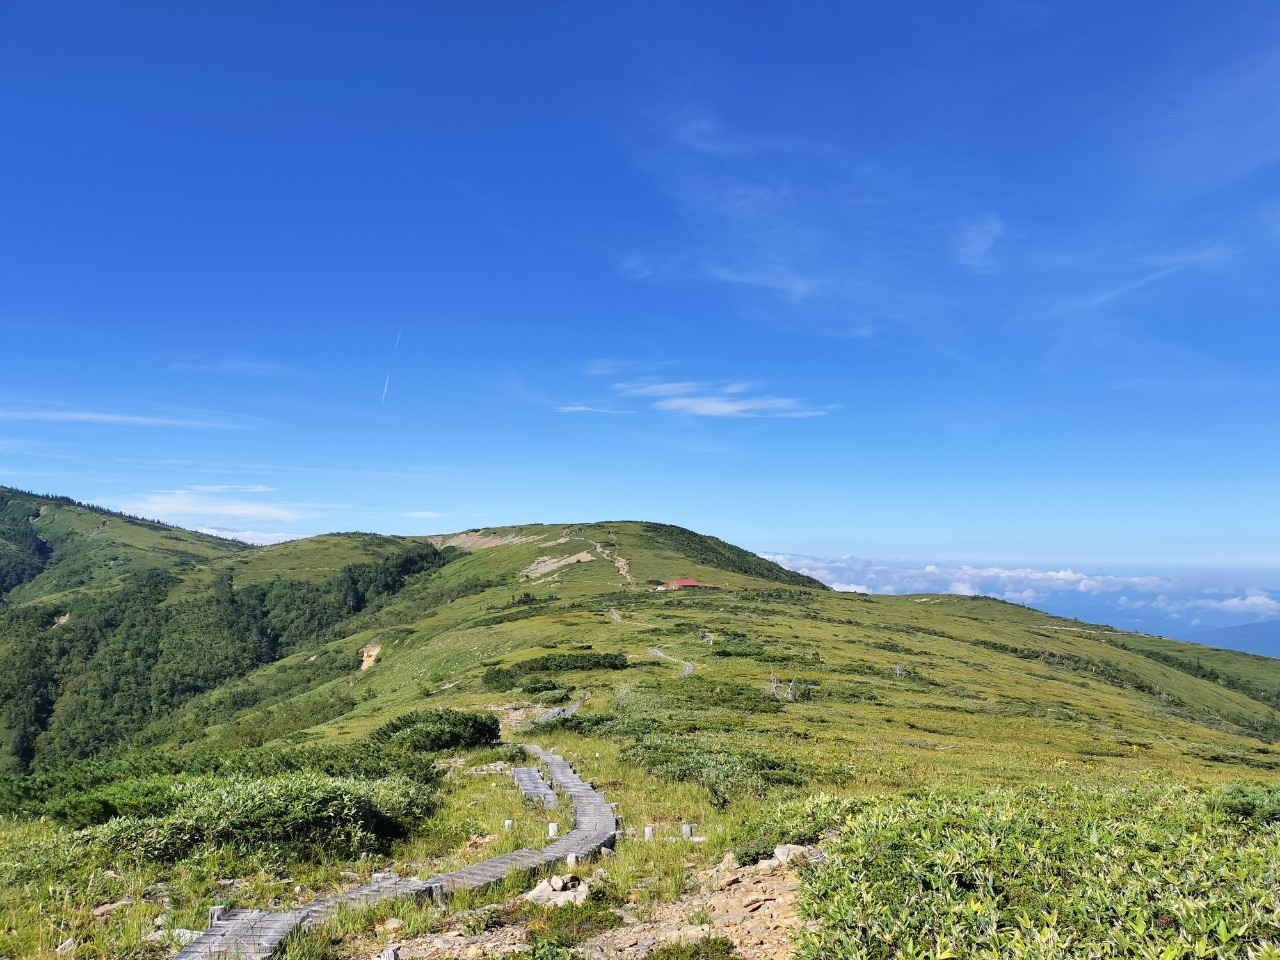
754,907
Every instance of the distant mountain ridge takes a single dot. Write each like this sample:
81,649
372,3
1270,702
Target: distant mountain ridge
121,634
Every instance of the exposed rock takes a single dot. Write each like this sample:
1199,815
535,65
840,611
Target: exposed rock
557,891
105,911
66,946
786,852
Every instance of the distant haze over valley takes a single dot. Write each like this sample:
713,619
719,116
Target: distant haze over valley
1239,610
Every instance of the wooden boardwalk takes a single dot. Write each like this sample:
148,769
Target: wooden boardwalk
533,787
556,713
257,934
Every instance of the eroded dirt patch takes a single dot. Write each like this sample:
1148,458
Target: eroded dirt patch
473,540
544,565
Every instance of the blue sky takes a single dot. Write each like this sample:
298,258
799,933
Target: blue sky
987,284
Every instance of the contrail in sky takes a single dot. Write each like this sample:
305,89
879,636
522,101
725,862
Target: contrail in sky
394,350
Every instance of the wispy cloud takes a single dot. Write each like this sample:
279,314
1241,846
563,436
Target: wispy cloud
1172,265
712,138
424,514
605,367
725,398
109,418
765,406
658,388
230,488
246,368
1195,384
765,211
1254,603
976,240
584,408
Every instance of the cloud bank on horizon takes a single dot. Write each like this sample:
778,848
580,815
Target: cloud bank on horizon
1167,604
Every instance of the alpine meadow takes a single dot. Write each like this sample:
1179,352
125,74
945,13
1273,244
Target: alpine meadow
191,722
663,480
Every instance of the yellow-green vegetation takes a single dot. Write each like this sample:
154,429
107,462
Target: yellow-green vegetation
125,695
1140,871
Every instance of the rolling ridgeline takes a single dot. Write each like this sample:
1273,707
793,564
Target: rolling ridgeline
178,710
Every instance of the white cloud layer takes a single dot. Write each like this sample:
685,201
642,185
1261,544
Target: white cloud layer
1142,602
179,505
256,537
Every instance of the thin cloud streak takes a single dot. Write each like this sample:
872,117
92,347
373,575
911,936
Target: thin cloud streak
230,488
249,368
111,419
787,407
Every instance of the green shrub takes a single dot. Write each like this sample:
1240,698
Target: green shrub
308,817
571,923
539,685
709,948
130,798
56,792
1255,802
573,661
724,771
434,730
500,679
1045,873
603,724
802,821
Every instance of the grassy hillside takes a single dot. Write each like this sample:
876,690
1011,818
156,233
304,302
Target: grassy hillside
254,662
53,545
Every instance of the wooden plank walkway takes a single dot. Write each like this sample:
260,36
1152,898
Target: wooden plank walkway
555,713
533,787
257,934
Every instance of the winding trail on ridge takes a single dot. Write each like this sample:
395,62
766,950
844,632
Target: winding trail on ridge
688,667
258,934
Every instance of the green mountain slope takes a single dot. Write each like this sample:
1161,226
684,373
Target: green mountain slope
217,644
50,545
141,665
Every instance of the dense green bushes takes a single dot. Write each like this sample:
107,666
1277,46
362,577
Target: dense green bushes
131,656
508,678
93,791
22,553
1255,802
801,821
307,817
1046,873
724,770
432,730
